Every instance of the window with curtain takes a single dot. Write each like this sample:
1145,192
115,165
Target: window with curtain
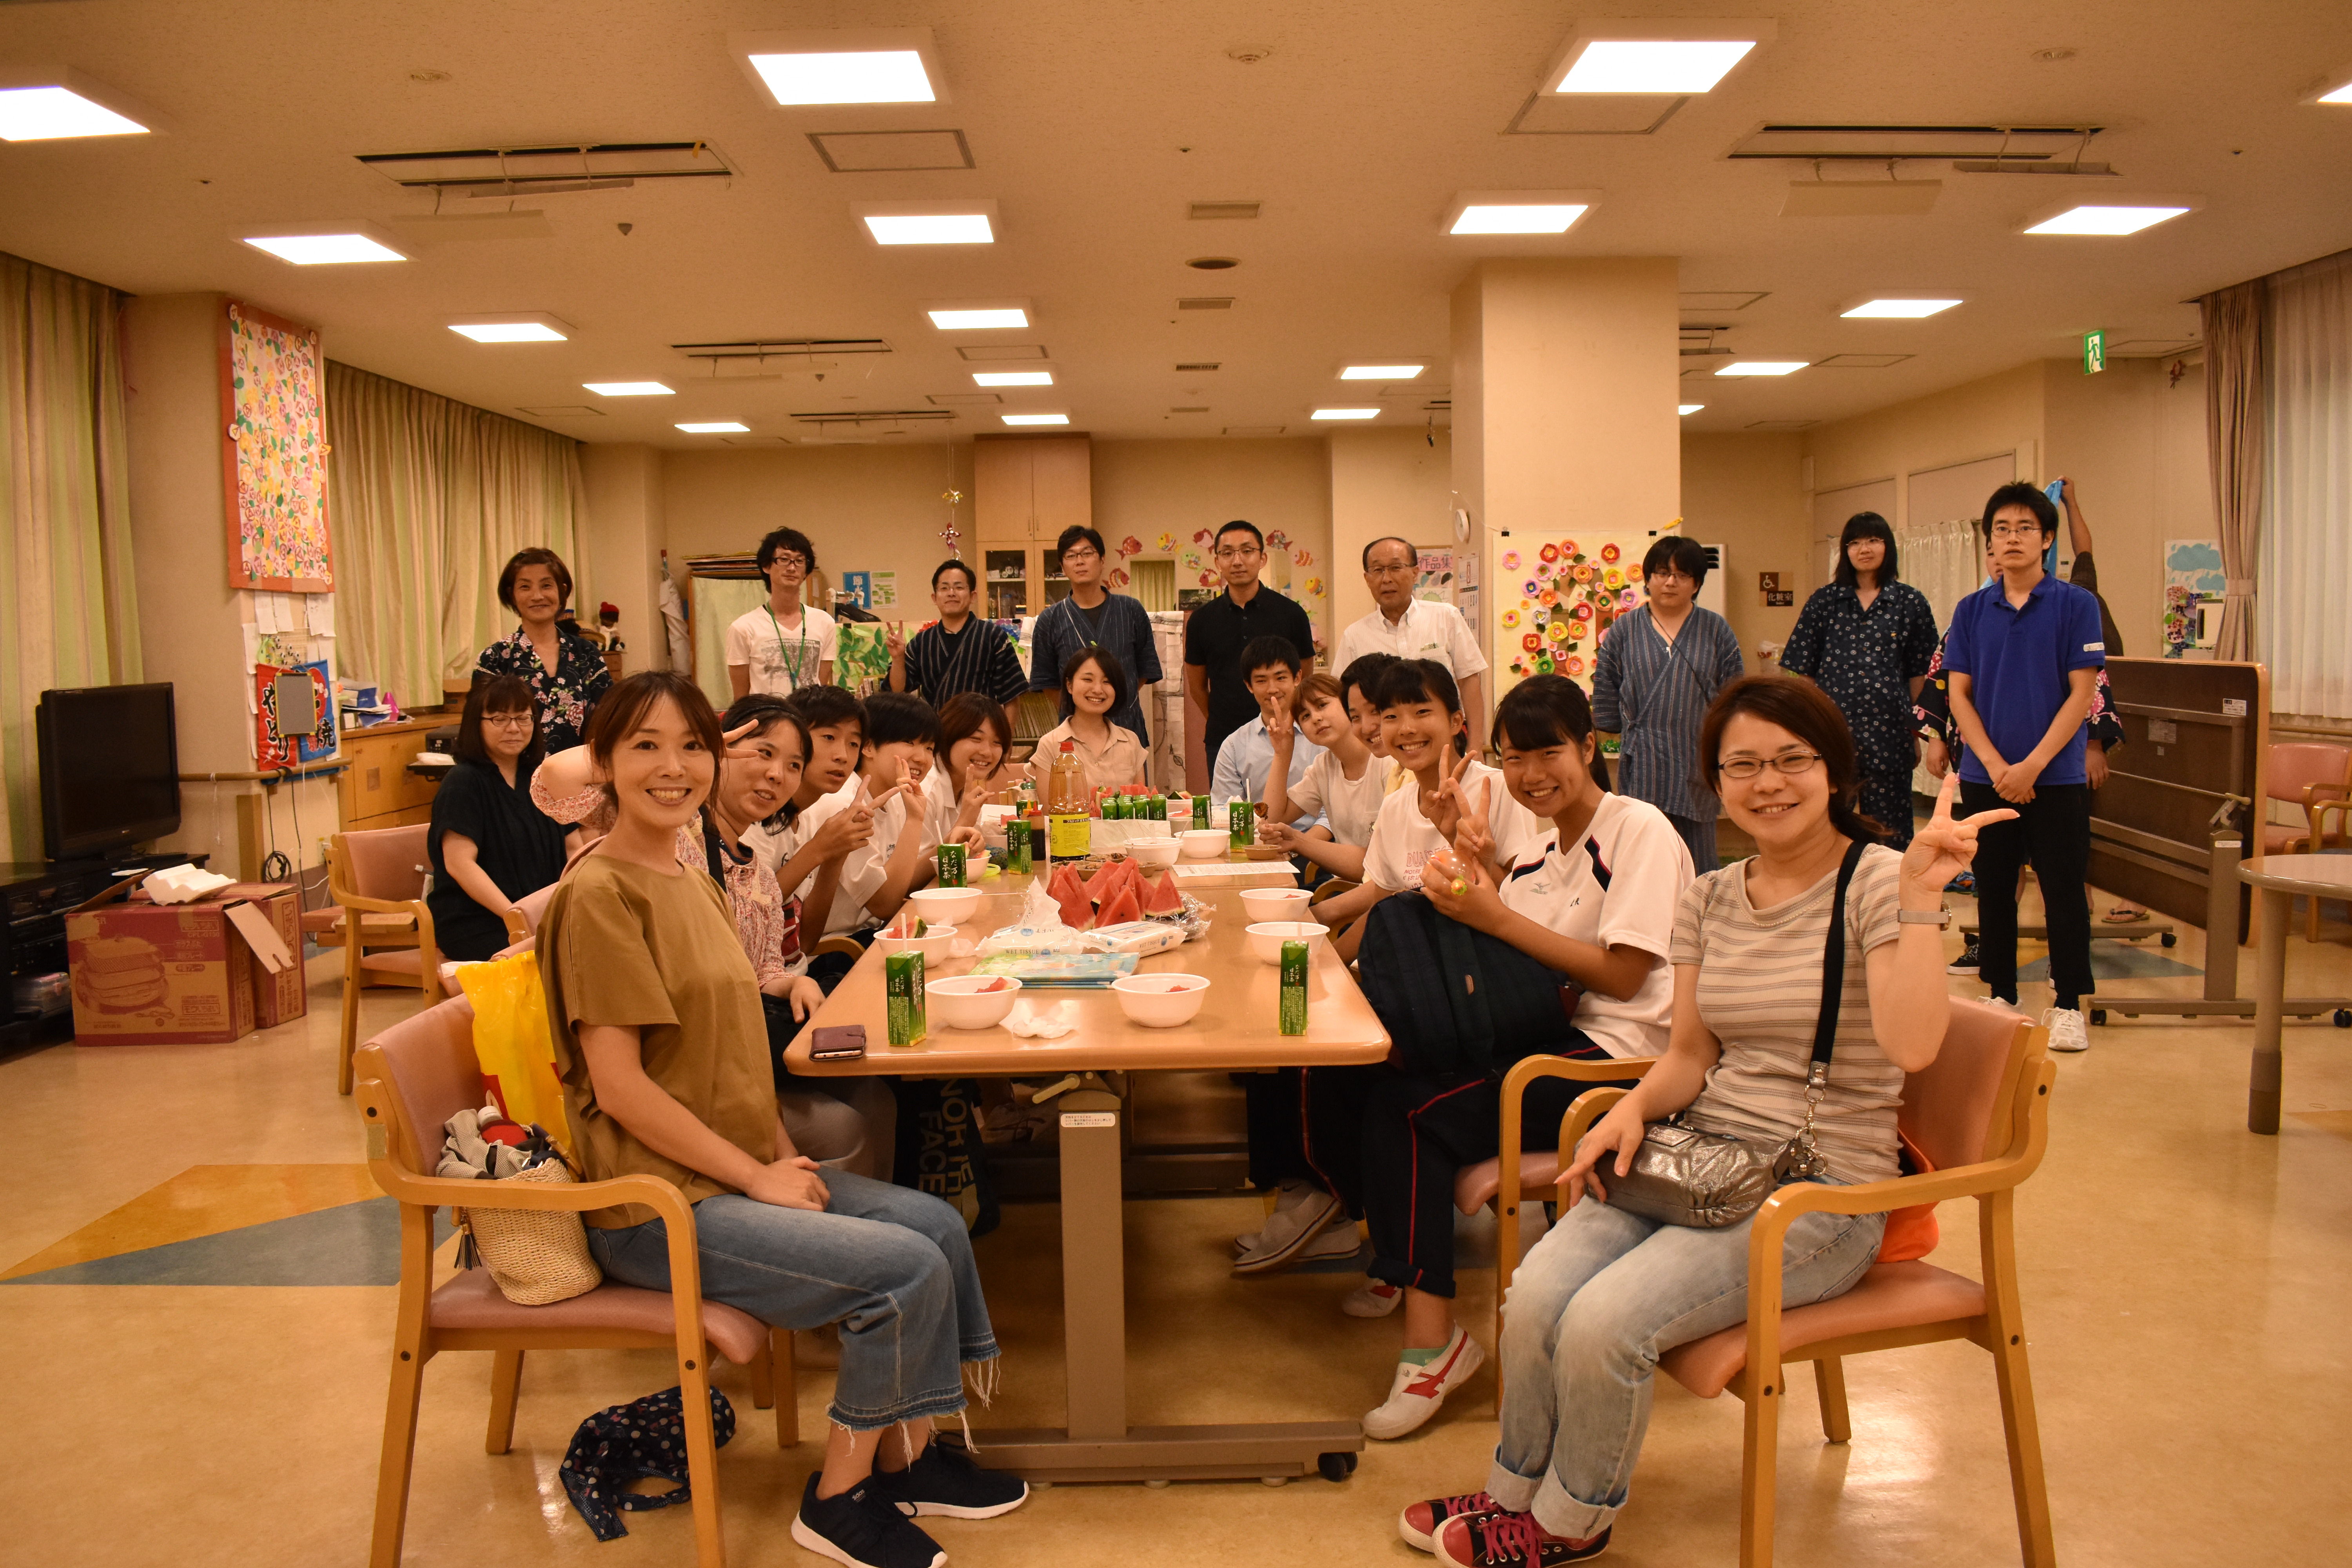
426,498
70,617
2301,629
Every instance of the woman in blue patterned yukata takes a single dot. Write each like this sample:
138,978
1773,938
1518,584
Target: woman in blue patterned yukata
566,673
1867,639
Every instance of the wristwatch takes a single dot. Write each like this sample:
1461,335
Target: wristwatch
1924,917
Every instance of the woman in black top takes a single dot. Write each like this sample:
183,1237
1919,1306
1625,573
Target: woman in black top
489,845
1867,639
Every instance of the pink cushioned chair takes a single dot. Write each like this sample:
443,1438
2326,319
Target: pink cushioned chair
414,1077
1980,1113
377,876
2317,778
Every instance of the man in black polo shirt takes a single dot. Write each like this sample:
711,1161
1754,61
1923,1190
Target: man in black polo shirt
1215,634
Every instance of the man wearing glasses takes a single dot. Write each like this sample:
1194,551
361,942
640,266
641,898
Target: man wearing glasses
1094,617
1404,626
781,645
1215,634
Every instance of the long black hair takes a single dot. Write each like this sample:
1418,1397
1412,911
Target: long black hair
1866,525
1548,711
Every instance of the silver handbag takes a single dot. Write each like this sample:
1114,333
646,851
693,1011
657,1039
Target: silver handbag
1682,1176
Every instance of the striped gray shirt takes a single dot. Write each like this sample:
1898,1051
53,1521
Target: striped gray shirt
981,657
1653,696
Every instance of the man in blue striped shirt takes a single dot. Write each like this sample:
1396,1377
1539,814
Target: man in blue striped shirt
958,652
1093,617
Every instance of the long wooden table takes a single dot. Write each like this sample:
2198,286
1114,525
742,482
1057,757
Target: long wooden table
1235,1030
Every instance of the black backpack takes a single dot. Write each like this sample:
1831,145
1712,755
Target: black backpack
1455,1000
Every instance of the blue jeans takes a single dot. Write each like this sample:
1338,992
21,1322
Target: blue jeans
1597,1300
892,1266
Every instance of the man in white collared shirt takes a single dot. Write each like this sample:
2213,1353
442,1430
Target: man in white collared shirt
1408,628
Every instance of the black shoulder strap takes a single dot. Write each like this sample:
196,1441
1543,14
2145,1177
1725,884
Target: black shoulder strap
1833,966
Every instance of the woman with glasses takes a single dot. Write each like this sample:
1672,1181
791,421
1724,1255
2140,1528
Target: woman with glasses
1659,667
1867,639
1607,1290
782,645
489,844
565,672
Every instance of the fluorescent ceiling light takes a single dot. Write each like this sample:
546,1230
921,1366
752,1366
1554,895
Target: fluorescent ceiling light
864,76
2340,95
1034,418
930,228
1688,407
322,249
1651,65
1896,310
1525,218
519,328
954,319
627,388
51,113
1381,372
1346,413
1763,366
2107,218
1013,378
715,427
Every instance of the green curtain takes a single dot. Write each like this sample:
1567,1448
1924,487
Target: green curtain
70,615
426,498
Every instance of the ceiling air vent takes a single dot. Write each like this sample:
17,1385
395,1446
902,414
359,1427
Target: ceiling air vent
502,172
1782,423
1255,430
1198,366
1708,303
756,440
562,411
862,418
1210,303
1001,350
875,151
1883,144
2153,348
1201,410
962,399
1859,361
1199,210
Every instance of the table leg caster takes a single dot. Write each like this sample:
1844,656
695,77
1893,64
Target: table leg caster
1273,1481
2098,1014
2170,939
1335,1466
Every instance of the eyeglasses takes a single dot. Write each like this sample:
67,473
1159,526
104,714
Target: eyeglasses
2017,531
1670,574
1238,551
1078,552
510,721
791,562
1408,570
1790,763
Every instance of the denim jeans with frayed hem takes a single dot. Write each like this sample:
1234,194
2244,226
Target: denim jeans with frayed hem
1597,1300
892,1266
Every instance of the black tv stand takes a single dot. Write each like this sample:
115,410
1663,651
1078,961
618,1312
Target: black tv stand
37,895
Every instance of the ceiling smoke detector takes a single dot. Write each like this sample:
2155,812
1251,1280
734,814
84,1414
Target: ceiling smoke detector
1249,54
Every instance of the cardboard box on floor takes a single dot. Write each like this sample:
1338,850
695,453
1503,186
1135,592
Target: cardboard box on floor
195,973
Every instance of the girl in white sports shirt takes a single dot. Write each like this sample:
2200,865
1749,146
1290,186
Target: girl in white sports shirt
1344,786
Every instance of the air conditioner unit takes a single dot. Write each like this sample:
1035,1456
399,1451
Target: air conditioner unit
1716,592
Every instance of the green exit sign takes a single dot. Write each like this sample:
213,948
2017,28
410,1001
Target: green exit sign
2095,352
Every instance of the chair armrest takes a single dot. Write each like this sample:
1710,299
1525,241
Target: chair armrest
1527,1070
411,907
517,926
846,946
1331,889
2318,812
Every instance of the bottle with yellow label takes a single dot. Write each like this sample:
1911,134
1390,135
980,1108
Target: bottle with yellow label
1069,802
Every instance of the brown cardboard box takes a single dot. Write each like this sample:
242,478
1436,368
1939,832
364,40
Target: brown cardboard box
147,974
280,993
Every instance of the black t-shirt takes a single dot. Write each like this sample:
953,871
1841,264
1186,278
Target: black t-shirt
515,843
1214,635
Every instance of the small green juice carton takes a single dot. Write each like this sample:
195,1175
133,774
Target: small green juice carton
1199,811
951,866
1241,822
902,987
1016,846
1293,990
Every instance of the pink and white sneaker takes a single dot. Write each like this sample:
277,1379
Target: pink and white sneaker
1373,1299
1503,1539
1418,1525
1418,1391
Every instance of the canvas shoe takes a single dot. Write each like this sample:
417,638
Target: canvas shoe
1418,1525
944,1480
1374,1298
1339,1240
2066,1030
1511,1540
1289,1195
1967,963
1418,1391
858,1529
1290,1231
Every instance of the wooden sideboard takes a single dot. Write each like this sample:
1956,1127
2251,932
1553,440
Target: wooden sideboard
377,789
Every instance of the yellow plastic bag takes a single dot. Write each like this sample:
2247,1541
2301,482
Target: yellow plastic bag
512,1043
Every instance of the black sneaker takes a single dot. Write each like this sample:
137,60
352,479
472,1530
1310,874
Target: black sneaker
1510,1540
859,1529
1967,963
944,1480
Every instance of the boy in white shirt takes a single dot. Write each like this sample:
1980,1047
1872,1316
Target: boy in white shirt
901,739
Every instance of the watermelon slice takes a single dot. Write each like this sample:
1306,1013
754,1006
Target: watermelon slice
1065,883
1106,881
1124,906
1077,912
1162,897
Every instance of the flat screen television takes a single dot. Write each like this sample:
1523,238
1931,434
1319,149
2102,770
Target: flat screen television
109,768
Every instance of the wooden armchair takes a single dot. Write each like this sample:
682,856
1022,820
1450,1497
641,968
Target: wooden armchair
377,877
415,1077
1980,1113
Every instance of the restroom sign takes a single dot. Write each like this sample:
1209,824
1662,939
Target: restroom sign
2094,352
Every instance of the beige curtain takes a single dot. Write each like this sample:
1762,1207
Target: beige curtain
68,615
428,497
2234,442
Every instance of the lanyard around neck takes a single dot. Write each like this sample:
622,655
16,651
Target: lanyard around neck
794,656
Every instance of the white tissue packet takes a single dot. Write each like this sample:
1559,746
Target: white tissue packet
1138,937
1038,1021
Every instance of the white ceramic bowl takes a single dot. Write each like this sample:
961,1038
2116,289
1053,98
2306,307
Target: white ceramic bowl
932,944
1155,854
946,906
959,1003
1204,843
1160,1001
1276,903
1266,938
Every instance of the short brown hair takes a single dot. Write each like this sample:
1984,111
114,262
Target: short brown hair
534,556
1314,689
966,714
620,711
498,694
1805,711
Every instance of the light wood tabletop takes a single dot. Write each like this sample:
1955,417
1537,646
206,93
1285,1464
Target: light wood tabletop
1236,1028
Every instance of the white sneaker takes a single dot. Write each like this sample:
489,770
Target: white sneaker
1418,1391
1291,1232
1289,1195
2066,1030
1372,1299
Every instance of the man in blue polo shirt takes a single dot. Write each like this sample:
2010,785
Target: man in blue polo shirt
2024,655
